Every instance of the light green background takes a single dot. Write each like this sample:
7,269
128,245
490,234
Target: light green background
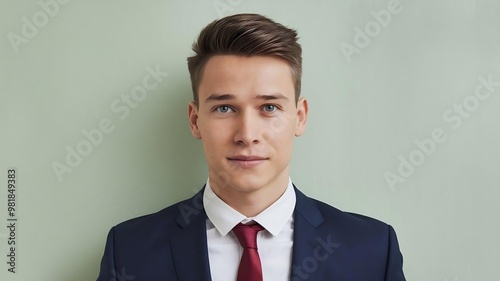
364,114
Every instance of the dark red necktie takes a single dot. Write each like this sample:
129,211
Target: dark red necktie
250,268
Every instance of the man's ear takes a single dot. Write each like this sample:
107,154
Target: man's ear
302,111
193,119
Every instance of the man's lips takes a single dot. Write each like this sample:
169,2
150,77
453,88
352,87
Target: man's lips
245,161
246,158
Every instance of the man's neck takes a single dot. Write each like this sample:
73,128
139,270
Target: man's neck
251,203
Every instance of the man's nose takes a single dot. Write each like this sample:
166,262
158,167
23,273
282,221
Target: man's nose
249,128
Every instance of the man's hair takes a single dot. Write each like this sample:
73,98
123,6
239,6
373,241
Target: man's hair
245,35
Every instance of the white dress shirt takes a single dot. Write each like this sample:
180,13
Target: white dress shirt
274,243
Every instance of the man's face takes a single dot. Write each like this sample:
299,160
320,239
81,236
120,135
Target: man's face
247,119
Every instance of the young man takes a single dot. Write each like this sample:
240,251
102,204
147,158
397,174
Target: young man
250,222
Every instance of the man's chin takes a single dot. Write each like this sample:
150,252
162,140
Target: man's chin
242,182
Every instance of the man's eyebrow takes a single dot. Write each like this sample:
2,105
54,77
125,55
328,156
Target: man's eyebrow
219,97
223,97
276,96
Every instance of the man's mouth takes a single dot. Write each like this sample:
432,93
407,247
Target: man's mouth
246,161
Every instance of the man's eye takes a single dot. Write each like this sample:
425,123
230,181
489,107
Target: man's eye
223,109
270,108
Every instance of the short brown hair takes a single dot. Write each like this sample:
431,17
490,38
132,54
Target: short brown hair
245,35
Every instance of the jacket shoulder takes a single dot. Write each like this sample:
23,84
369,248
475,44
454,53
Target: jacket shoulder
353,224
163,220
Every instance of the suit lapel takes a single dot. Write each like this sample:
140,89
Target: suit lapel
307,218
189,241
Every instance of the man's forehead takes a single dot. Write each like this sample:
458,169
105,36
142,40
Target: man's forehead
217,62
234,77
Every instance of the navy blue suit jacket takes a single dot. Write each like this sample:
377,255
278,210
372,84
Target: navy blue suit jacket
329,245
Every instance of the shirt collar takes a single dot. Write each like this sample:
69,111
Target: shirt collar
273,218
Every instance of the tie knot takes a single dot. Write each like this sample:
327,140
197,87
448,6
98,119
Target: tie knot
247,234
